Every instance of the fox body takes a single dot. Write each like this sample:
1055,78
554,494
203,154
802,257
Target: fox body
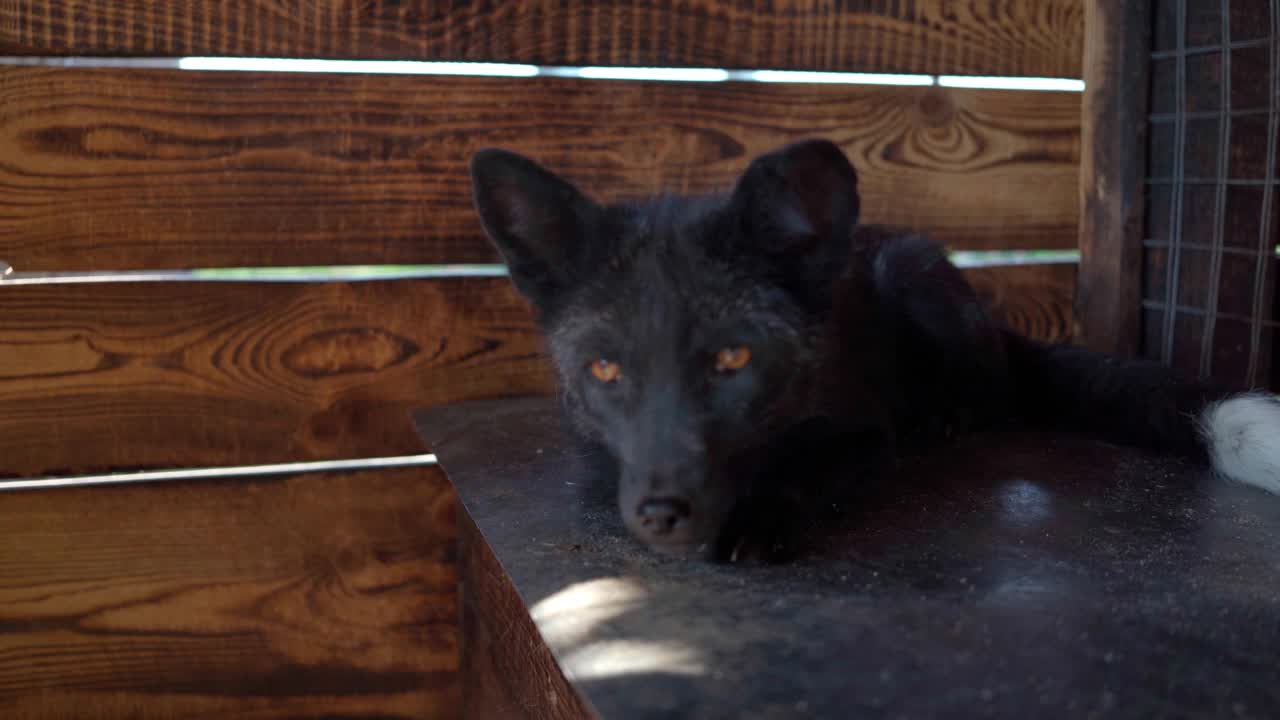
709,345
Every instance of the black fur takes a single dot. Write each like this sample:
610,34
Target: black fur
861,340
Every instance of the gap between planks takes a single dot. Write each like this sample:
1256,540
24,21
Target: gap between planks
219,473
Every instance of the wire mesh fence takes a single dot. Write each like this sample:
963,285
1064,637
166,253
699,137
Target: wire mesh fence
1210,303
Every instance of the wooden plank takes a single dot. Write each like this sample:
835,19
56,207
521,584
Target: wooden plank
507,668
124,376
107,169
1109,294
96,378
1033,299
321,595
1016,37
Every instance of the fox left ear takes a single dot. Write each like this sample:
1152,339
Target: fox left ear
540,223
799,200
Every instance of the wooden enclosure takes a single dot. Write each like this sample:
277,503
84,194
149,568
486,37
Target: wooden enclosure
1181,225
335,594
129,169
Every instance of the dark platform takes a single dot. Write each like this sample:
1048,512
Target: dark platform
1024,576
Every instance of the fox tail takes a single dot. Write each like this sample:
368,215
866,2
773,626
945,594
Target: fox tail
1145,404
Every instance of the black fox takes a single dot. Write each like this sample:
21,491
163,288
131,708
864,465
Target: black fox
704,342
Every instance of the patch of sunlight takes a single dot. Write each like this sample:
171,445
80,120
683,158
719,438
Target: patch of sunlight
1004,258
653,73
147,476
320,273
1025,504
1012,83
360,273
838,78
523,70
365,67
569,616
611,658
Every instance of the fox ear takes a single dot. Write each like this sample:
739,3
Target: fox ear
539,222
799,200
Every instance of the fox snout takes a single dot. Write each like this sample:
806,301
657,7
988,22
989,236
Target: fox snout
673,507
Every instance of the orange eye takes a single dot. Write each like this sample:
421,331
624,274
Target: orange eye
733,359
606,371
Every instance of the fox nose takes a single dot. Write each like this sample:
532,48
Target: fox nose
661,517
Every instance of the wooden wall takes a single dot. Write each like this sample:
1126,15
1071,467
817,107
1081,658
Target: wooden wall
329,594
1014,37
322,595
163,169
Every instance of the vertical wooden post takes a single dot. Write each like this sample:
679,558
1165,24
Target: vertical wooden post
1112,166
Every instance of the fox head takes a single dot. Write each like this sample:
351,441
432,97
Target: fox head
689,333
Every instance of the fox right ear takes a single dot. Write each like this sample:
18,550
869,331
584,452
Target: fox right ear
800,198
539,222
798,206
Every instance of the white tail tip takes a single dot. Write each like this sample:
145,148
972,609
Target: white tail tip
1243,435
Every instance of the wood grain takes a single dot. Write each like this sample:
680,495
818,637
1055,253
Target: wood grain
507,670
323,595
1033,299
107,377
124,376
1114,130
105,169
1015,37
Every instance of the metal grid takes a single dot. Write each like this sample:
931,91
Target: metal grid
1213,198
